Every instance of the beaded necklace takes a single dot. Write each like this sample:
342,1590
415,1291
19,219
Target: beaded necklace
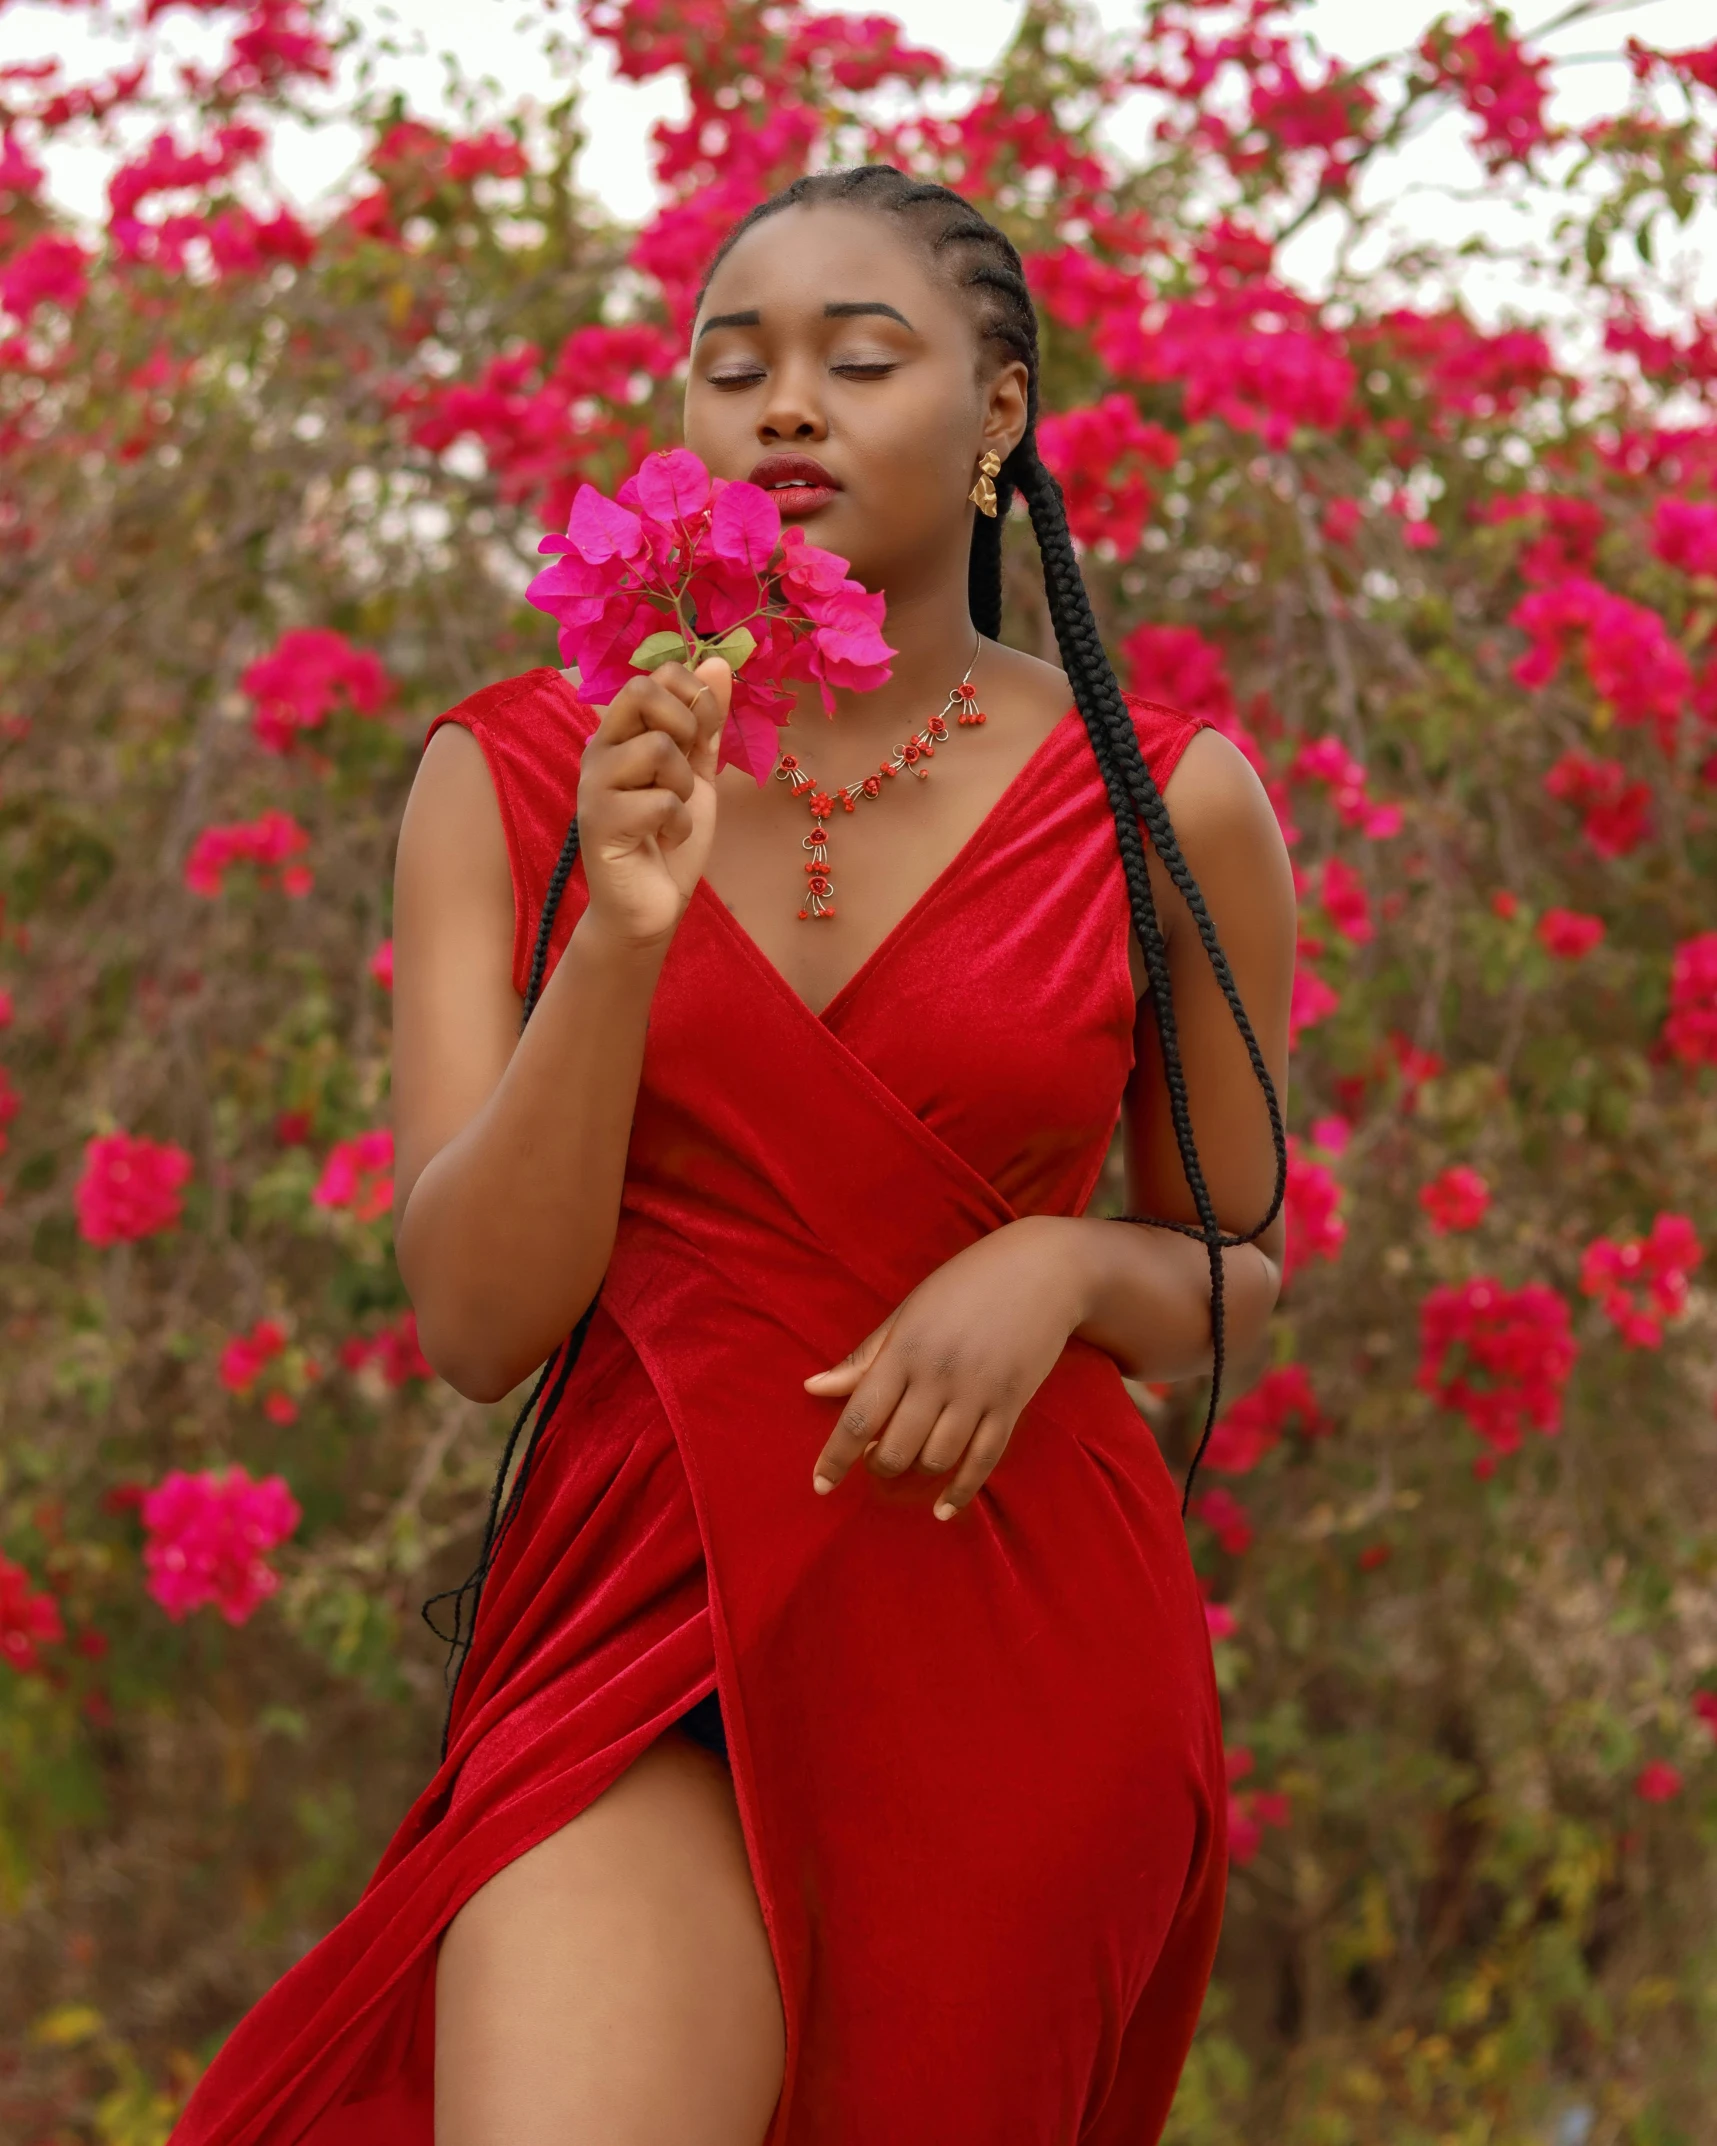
912,753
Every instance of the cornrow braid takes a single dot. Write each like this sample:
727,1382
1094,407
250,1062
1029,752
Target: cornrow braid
982,262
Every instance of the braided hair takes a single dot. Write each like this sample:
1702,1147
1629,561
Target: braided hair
982,262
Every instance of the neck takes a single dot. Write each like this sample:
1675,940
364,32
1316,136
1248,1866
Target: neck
934,640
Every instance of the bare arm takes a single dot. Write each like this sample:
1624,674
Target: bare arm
511,1150
1147,1292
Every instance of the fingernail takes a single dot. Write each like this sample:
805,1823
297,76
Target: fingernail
821,1485
945,1511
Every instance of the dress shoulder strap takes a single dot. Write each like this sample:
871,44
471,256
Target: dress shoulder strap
1164,733
532,730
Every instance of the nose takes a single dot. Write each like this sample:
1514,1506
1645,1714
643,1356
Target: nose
792,410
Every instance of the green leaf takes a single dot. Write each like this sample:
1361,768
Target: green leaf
733,648
659,648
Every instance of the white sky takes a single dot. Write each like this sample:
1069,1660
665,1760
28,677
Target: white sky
1442,192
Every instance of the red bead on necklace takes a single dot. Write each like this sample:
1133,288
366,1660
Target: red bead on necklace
912,753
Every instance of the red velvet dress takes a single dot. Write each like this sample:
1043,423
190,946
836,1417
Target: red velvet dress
979,1766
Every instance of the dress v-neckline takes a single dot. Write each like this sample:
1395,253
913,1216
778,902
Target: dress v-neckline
898,931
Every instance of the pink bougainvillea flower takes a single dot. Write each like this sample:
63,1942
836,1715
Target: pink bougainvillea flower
1642,1281
130,1188
1657,1782
1499,1357
1502,85
1100,456
1705,1706
1251,1426
1313,1001
1630,659
1684,535
1220,1621
394,1352
307,674
266,842
28,1620
1456,1199
1314,1227
207,1537
48,271
1332,1134
1345,901
1617,812
1221,1511
381,964
680,565
1690,1033
1569,934
358,1174
10,1104
245,1356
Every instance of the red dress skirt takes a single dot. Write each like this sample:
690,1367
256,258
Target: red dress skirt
979,1767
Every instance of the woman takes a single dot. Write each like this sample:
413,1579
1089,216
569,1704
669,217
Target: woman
837,1756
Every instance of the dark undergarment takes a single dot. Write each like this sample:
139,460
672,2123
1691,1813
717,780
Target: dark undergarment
704,1725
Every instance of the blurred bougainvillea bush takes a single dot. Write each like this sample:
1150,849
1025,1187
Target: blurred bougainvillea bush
270,494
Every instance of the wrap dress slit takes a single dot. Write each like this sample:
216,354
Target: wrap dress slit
979,1766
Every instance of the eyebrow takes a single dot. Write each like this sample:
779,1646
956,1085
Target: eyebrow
843,309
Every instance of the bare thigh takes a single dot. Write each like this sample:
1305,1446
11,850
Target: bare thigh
614,1985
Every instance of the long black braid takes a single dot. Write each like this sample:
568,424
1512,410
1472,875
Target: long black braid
982,260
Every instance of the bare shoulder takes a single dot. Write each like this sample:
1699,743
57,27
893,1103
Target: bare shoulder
1218,803
452,826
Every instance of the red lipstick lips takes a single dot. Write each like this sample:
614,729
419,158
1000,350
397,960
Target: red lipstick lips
799,485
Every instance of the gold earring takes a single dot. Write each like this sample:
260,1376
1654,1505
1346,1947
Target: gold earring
983,493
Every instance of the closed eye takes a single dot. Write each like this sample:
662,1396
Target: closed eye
865,368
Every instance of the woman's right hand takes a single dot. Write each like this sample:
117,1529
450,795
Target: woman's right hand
646,798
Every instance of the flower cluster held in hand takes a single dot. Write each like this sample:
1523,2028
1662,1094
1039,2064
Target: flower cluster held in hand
207,1539
680,565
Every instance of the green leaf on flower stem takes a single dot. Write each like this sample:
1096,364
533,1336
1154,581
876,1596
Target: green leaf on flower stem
659,648
733,648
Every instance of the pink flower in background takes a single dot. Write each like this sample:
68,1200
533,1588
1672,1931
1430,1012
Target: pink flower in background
1617,813
1342,893
1705,1706
1500,1357
5,1009
677,550
28,1620
1502,85
1657,1782
246,1355
1221,1511
10,1104
48,271
1690,1033
129,1188
1684,534
381,964
207,1537
1569,934
1101,455
394,1351
1315,1229
1643,1281
1251,1426
358,1174
1327,760
1456,1199
1629,657
307,674
266,842
1313,1001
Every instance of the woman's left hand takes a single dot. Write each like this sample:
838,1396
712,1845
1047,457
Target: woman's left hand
943,1380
